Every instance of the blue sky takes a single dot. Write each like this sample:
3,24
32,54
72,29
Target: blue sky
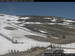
62,9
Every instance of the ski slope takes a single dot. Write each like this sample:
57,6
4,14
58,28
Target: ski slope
19,34
6,45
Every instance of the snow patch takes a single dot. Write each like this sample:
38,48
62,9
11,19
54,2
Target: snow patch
69,50
42,31
25,18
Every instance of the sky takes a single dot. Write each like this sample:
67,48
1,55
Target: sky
61,9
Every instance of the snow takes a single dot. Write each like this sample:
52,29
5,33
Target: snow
53,20
71,45
55,37
25,18
10,17
6,45
69,51
66,23
42,31
19,35
69,21
47,18
33,23
70,48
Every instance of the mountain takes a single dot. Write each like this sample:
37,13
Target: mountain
26,32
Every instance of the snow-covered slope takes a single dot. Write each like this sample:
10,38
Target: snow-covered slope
6,45
19,33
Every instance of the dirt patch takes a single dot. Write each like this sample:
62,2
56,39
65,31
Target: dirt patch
52,39
9,28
